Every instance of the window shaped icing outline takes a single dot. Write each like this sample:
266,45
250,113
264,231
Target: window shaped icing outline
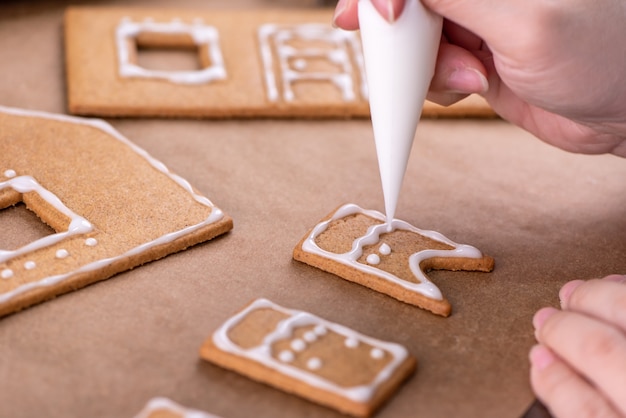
274,40
204,37
78,225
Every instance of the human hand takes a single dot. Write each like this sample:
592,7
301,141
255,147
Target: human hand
579,366
554,68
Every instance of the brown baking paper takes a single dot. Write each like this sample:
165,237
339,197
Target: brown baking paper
546,216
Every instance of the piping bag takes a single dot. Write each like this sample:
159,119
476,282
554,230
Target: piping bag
400,62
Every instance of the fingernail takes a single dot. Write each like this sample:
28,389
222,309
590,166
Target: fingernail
617,278
541,357
467,80
391,15
342,5
542,315
567,290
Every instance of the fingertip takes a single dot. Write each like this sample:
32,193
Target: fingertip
542,315
346,15
616,278
389,9
567,290
541,357
467,80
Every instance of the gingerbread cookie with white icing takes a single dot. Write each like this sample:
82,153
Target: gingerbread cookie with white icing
390,257
111,206
301,353
166,408
244,63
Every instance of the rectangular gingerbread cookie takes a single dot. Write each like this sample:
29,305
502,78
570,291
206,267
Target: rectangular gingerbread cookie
390,257
255,63
111,206
306,355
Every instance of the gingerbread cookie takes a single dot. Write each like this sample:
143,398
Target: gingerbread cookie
111,205
166,408
306,355
268,63
391,258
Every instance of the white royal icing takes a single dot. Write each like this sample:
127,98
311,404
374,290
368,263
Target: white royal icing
62,253
274,40
285,329
158,404
78,225
372,237
201,34
10,173
6,274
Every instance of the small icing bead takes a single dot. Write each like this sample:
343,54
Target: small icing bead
286,356
314,363
62,253
29,265
373,259
385,249
310,336
351,342
320,330
6,274
377,353
10,173
91,242
298,345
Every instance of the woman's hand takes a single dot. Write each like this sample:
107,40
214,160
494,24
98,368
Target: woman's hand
578,369
555,68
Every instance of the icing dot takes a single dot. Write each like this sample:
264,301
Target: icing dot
373,259
377,353
286,356
314,363
29,265
6,273
320,330
91,242
62,253
351,342
298,345
385,249
299,64
9,173
310,336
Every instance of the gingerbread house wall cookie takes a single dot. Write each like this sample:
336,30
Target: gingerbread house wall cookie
390,257
257,63
111,205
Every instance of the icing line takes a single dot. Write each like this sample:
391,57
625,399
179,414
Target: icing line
161,403
200,33
284,329
372,236
78,225
345,44
215,215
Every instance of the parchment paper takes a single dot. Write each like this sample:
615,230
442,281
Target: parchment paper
545,215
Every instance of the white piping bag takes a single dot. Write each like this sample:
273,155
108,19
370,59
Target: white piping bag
400,62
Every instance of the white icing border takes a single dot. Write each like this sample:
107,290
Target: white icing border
215,215
201,34
78,225
372,236
344,42
262,353
158,403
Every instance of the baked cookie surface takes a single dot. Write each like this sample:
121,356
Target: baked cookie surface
256,63
360,246
111,206
306,355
